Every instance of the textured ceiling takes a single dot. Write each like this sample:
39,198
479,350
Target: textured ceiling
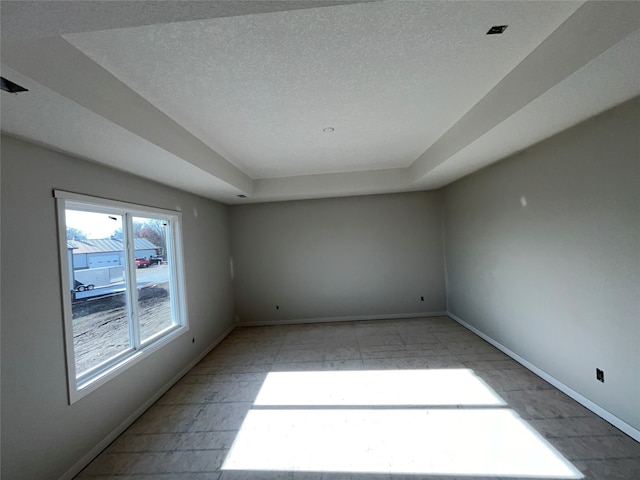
224,98
259,89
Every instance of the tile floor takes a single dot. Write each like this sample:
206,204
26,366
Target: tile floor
189,432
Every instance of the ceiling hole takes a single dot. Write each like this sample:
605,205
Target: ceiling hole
9,86
497,29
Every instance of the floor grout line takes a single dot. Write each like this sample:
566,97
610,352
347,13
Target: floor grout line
532,401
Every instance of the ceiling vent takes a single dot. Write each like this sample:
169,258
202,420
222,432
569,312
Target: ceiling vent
9,86
497,29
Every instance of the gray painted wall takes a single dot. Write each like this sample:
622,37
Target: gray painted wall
338,258
557,280
554,278
42,436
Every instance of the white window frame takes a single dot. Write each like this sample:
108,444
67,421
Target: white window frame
78,387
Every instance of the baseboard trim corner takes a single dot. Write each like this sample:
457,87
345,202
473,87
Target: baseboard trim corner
95,451
584,401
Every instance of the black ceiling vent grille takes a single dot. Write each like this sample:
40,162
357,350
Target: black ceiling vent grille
497,29
9,86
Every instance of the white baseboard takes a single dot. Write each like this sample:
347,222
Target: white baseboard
349,318
95,451
595,408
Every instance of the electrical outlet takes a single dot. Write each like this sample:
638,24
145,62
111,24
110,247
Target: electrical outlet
600,375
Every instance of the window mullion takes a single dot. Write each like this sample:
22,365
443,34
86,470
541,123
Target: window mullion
132,286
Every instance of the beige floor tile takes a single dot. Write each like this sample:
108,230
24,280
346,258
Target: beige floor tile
457,336
247,358
301,355
164,442
513,379
574,427
186,435
185,393
386,339
223,377
167,419
368,328
208,369
465,348
610,469
598,447
550,404
155,463
484,365
258,340
322,342
413,361
406,351
221,416
131,443
236,391
339,365
477,359
341,353
297,366
419,338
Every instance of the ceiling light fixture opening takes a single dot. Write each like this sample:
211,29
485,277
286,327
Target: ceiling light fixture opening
9,86
497,29
328,129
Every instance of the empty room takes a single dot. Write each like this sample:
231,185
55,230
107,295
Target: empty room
320,240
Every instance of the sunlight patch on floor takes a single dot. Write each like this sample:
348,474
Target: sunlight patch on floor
412,441
377,387
440,422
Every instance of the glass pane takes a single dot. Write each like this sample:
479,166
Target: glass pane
153,275
98,282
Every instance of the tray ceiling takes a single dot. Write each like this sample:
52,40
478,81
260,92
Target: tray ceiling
307,99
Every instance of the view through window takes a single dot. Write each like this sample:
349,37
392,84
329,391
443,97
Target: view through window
121,266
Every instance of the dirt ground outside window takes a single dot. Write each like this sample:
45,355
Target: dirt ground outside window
101,327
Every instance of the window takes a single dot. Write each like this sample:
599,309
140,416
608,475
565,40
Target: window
123,288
